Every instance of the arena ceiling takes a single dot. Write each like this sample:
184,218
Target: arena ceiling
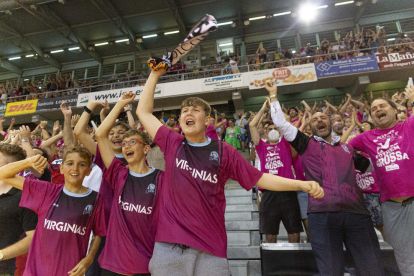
37,27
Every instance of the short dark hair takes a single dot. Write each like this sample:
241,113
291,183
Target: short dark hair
13,153
292,107
371,124
44,153
391,103
144,137
83,152
196,101
123,124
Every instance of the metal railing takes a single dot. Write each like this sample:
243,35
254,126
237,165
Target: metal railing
173,76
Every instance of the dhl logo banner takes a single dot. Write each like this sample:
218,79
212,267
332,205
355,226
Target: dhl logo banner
18,108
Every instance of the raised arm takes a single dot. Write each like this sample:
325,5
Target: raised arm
105,110
241,121
67,131
80,130
303,125
51,141
307,107
253,124
342,110
8,173
131,120
360,105
2,120
146,104
348,132
104,129
11,124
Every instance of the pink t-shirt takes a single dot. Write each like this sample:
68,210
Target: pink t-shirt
133,221
275,159
367,182
410,112
392,154
211,132
62,234
359,115
192,202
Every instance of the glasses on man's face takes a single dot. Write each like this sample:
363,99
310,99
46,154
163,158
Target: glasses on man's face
131,143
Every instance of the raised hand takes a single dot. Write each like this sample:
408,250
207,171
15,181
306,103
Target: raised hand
38,162
13,121
128,107
313,188
98,104
25,132
214,110
56,127
127,98
266,104
75,120
271,87
43,124
409,93
105,107
2,120
67,112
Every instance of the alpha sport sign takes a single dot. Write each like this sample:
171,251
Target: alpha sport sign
223,82
112,96
395,60
19,108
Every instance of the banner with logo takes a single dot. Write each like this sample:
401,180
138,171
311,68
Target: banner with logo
19,108
346,66
112,96
192,64
283,76
223,82
54,103
2,109
395,60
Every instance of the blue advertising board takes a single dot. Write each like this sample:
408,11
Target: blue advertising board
346,66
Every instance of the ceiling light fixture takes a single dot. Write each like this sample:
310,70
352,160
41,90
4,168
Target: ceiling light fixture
225,44
282,13
56,51
148,36
73,49
122,40
257,18
344,3
390,39
247,22
225,23
13,58
172,32
234,25
29,56
101,44
358,3
321,7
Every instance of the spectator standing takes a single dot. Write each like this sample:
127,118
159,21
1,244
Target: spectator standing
242,121
233,64
218,59
233,134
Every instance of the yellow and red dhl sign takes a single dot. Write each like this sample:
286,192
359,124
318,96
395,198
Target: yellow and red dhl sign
21,108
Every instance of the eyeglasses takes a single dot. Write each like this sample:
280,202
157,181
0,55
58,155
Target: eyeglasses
131,143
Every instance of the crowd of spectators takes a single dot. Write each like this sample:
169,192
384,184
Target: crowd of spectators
365,42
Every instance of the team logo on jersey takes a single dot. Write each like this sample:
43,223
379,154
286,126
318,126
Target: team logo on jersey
55,165
88,210
345,149
150,189
214,156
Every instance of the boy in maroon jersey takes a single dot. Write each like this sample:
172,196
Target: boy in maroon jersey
67,215
192,202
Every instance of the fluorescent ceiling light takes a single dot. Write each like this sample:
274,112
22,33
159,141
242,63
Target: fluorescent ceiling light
321,7
56,51
74,48
282,13
344,3
148,36
122,40
101,44
30,56
25,79
258,17
390,39
293,51
226,44
12,58
173,32
225,23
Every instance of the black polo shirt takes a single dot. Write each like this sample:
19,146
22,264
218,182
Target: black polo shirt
14,221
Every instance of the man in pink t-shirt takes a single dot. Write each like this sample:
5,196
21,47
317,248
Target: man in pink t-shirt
276,157
191,232
391,150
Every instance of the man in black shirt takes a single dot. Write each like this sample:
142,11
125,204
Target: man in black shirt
14,220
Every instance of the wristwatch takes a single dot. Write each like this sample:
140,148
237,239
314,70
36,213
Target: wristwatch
25,140
1,255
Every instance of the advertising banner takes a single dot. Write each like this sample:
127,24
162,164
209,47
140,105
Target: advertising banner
54,103
346,66
2,109
223,82
112,96
283,76
395,60
18,108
